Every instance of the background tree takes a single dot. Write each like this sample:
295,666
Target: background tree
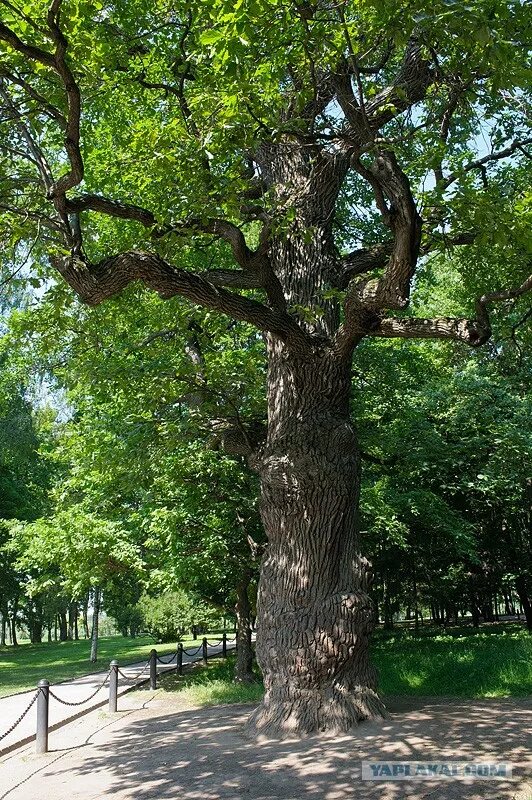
302,137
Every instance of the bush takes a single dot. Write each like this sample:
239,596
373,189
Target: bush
168,616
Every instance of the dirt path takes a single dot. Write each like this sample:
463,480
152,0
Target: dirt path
157,748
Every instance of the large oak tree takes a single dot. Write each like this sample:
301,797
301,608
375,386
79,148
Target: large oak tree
329,148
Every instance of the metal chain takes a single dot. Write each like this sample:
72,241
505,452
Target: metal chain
193,653
19,720
102,684
168,661
134,677
80,702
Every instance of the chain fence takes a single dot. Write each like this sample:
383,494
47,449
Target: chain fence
193,652
19,720
80,702
131,679
168,660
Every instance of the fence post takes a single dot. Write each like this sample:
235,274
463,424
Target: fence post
204,651
224,645
153,669
113,686
180,658
41,738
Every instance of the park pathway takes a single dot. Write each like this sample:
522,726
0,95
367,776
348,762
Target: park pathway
94,686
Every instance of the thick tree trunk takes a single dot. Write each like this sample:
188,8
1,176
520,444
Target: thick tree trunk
244,653
314,613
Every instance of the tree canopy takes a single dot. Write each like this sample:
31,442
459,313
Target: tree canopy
311,178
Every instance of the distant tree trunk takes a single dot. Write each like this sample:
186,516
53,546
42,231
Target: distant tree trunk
63,626
13,630
244,653
36,632
76,615
314,613
524,599
3,630
95,624
85,615
71,618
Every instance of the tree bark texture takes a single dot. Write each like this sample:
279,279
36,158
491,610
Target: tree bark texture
244,652
314,613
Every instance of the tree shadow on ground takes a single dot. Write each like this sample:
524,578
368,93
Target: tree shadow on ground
202,754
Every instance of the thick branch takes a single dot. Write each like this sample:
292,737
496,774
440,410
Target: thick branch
409,87
393,289
256,271
364,259
95,283
35,53
462,330
235,278
72,131
473,332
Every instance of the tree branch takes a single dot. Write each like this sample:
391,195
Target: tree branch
473,332
37,156
364,259
393,288
72,131
462,330
480,162
94,283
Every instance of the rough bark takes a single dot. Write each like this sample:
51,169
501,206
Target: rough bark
244,653
314,613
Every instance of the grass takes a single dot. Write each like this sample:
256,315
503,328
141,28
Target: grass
23,667
495,661
213,685
462,662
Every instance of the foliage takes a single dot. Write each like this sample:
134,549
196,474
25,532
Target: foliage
168,616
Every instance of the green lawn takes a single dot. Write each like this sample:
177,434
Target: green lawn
493,662
23,667
212,685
